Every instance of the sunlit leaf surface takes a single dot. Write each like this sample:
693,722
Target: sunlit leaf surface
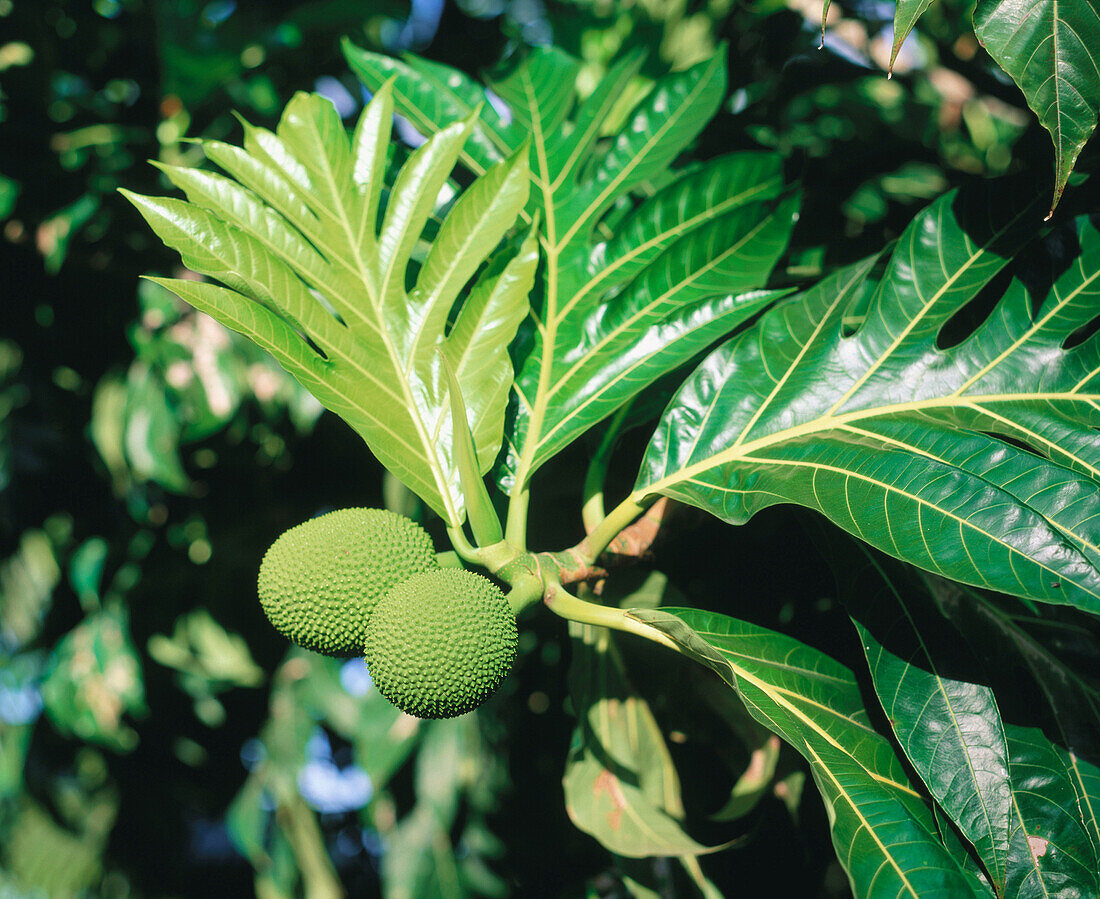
977,460
615,309
319,276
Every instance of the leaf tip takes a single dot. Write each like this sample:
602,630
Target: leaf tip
139,201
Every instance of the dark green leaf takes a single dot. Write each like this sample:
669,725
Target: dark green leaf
908,446
883,832
1051,48
949,728
1051,853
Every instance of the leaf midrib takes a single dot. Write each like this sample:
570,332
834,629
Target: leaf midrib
739,452
549,327
441,485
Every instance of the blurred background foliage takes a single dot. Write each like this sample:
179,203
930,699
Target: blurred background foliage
155,734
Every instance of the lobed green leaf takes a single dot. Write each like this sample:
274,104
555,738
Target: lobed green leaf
680,272
884,834
314,278
914,448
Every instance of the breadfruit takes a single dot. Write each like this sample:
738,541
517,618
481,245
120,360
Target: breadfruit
440,643
320,581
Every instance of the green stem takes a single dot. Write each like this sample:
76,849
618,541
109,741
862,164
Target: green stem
596,542
526,591
462,546
561,602
492,557
449,560
516,528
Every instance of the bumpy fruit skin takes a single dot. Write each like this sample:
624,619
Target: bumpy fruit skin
441,642
320,581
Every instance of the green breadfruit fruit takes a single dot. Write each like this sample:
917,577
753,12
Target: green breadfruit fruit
440,643
320,581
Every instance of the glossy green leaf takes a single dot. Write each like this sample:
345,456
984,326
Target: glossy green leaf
1023,645
432,96
620,782
961,852
949,728
476,345
680,272
1051,48
982,769
910,447
1050,852
313,277
700,196
883,831
688,298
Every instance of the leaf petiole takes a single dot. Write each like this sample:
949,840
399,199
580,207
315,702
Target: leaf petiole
561,602
589,549
516,528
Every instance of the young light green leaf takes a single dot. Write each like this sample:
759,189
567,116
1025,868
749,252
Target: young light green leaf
701,196
432,96
313,278
685,300
670,282
477,345
539,92
908,446
883,832
479,507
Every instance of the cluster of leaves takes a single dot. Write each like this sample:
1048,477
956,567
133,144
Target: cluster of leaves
938,402
965,447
